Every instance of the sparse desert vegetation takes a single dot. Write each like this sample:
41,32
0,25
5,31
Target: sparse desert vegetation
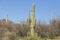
20,31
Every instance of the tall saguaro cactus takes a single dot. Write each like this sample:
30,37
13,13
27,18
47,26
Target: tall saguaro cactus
7,19
33,21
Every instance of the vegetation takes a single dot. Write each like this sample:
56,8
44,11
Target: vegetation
20,31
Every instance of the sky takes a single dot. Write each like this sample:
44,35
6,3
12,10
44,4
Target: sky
17,10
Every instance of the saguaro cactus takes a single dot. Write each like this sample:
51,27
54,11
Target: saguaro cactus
33,21
7,19
28,18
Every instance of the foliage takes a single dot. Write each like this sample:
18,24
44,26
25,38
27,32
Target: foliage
15,31
35,37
